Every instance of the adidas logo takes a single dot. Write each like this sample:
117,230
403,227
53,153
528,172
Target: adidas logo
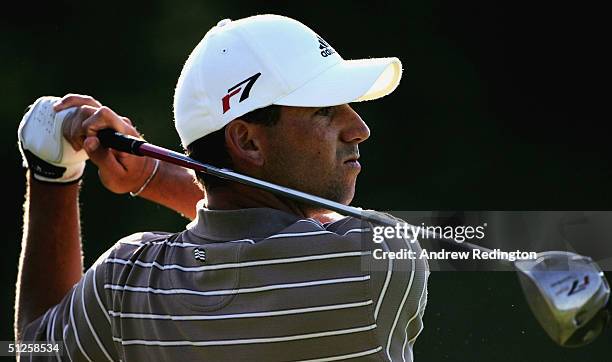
326,49
199,254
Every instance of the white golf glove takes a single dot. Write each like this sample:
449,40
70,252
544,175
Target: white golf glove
44,149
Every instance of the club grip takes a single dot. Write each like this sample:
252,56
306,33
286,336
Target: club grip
110,138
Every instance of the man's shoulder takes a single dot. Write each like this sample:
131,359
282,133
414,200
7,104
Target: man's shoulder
129,245
347,224
314,226
144,237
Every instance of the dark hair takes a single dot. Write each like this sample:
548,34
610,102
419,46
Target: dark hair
212,148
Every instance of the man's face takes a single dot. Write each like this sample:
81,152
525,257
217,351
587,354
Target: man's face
315,150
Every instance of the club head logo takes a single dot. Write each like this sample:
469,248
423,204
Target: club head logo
246,91
579,285
571,285
326,49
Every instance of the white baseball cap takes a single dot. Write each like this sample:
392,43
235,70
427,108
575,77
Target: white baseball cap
243,65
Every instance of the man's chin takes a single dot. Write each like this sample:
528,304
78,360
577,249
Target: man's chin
345,197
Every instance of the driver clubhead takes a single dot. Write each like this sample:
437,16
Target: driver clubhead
567,293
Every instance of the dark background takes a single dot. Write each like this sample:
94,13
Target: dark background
501,107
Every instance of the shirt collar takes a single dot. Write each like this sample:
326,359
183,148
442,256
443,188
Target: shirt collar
224,225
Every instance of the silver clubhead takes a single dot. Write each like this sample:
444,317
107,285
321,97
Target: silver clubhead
568,294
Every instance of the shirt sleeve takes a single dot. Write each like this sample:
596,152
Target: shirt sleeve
79,323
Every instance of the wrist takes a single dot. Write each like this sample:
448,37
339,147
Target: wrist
52,187
149,179
175,188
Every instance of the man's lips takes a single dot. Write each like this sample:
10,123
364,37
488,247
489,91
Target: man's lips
353,162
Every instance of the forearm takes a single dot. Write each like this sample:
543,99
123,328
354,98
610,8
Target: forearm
175,188
51,258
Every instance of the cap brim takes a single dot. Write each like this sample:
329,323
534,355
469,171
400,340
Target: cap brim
347,81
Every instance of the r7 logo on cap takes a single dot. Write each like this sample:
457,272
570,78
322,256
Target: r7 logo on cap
236,89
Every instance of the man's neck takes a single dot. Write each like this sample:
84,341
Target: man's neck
236,196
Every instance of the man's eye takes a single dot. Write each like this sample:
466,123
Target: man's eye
325,111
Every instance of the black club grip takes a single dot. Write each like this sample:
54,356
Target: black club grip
112,139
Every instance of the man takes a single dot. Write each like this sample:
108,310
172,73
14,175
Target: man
254,276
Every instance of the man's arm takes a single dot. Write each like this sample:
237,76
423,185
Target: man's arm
173,187
51,255
51,259
51,278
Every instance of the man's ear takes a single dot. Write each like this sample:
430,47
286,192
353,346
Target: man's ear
243,143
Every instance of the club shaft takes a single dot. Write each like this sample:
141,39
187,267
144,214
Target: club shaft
116,140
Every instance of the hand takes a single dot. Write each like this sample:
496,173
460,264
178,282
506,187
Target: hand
119,172
45,152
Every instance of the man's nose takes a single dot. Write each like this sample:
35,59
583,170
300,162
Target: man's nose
355,130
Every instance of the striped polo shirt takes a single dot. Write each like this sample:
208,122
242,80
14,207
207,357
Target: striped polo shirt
243,285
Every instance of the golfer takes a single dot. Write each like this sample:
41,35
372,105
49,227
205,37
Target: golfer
254,277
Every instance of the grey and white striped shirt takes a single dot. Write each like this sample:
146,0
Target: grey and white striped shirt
243,285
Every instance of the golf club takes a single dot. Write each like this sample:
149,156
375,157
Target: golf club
567,292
